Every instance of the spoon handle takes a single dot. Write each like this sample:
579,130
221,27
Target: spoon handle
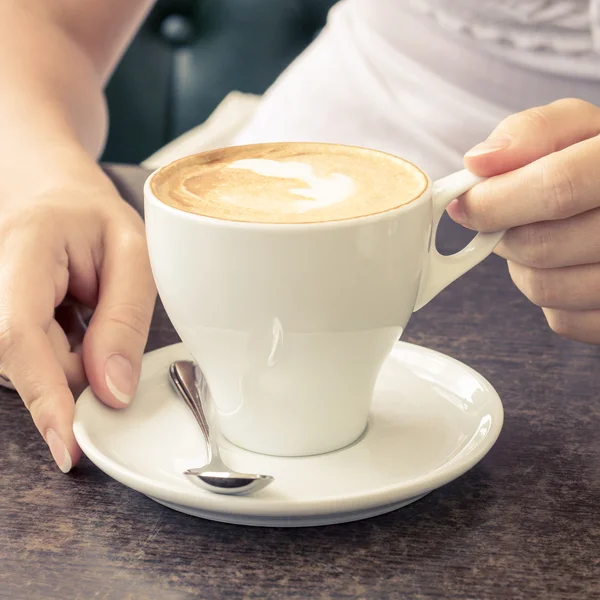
183,376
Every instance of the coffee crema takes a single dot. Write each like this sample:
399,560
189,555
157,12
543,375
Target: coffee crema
293,182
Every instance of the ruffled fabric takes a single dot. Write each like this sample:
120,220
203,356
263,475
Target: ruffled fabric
570,27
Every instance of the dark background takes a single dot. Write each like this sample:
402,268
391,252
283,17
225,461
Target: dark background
189,54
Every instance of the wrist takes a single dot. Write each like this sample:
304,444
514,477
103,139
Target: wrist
64,165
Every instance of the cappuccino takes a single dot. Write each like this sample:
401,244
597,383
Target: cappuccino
287,300
289,183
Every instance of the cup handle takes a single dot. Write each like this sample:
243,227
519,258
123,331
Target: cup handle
440,271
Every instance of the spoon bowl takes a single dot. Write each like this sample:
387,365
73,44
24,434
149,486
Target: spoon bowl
228,482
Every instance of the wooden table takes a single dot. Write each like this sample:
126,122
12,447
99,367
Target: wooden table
524,523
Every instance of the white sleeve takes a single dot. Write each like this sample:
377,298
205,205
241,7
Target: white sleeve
318,97
338,91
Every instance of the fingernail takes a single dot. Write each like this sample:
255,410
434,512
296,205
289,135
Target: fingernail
492,144
59,451
119,378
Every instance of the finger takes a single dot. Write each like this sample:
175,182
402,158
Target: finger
566,288
582,326
32,283
70,361
555,187
114,343
526,136
552,244
28,359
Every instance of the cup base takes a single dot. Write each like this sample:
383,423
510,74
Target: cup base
321,452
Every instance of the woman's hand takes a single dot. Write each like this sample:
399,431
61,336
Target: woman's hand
79,241
546,193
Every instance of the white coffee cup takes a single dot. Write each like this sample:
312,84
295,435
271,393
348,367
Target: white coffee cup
291,323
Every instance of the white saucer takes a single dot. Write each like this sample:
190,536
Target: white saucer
432,419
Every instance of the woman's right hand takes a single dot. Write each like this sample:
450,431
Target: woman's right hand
79,240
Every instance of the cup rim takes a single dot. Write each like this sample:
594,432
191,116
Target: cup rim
149,196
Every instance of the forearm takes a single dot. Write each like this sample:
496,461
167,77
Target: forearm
53,115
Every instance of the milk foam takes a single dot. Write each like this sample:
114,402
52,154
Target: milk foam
288,182
318,193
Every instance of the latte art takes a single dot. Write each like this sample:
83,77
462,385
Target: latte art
288,183
316,191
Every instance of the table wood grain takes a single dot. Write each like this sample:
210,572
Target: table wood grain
524,523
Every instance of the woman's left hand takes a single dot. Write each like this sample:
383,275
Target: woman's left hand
546,193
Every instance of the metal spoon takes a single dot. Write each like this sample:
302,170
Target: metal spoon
215,475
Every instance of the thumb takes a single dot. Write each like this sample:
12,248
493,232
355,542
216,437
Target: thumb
116,337
527,136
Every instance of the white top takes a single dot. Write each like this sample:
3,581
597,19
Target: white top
558,36
428,84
